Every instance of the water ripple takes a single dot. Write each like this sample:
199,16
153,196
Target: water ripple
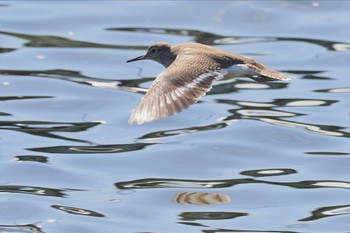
41,191
77,211
46,129
195,216
215,39
205,184
200,36
328,211
132,85
93,149
183,131
25,228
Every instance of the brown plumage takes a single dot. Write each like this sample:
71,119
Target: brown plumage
190,71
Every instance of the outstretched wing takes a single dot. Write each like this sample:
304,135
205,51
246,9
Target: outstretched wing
264,73
174,90
242,65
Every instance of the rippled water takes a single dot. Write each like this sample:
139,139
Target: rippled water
249,157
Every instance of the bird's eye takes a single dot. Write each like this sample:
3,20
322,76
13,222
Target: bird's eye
154,50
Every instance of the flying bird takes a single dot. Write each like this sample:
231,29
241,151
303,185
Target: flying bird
190,71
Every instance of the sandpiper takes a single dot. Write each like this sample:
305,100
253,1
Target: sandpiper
190,71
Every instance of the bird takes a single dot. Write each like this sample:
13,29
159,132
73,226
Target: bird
191,69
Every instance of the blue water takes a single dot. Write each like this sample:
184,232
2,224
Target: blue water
249,157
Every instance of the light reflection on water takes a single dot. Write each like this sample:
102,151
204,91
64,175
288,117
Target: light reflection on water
246,155
166,183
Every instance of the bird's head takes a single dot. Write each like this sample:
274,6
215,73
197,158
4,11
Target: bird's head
159,52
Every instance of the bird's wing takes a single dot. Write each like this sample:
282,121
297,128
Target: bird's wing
264,73
255,70
175,89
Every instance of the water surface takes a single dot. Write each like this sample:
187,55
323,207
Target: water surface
249,157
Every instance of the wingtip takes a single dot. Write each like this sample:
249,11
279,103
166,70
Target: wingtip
289,78
283,77
134,120
137,119
131,122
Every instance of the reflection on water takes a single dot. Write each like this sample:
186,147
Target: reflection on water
34,190
325,212
76,77
326,153
210,171
77,211
183,131
134,85
269,172
336,90
204,184
6,98
320,129
61,42
95,149
6,50
214,39
262,111
194,216
32,158
201,198
26,228
199,36
46,129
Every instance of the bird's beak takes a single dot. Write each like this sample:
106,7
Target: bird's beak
137,58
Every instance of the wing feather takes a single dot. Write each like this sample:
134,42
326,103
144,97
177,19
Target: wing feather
173,91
